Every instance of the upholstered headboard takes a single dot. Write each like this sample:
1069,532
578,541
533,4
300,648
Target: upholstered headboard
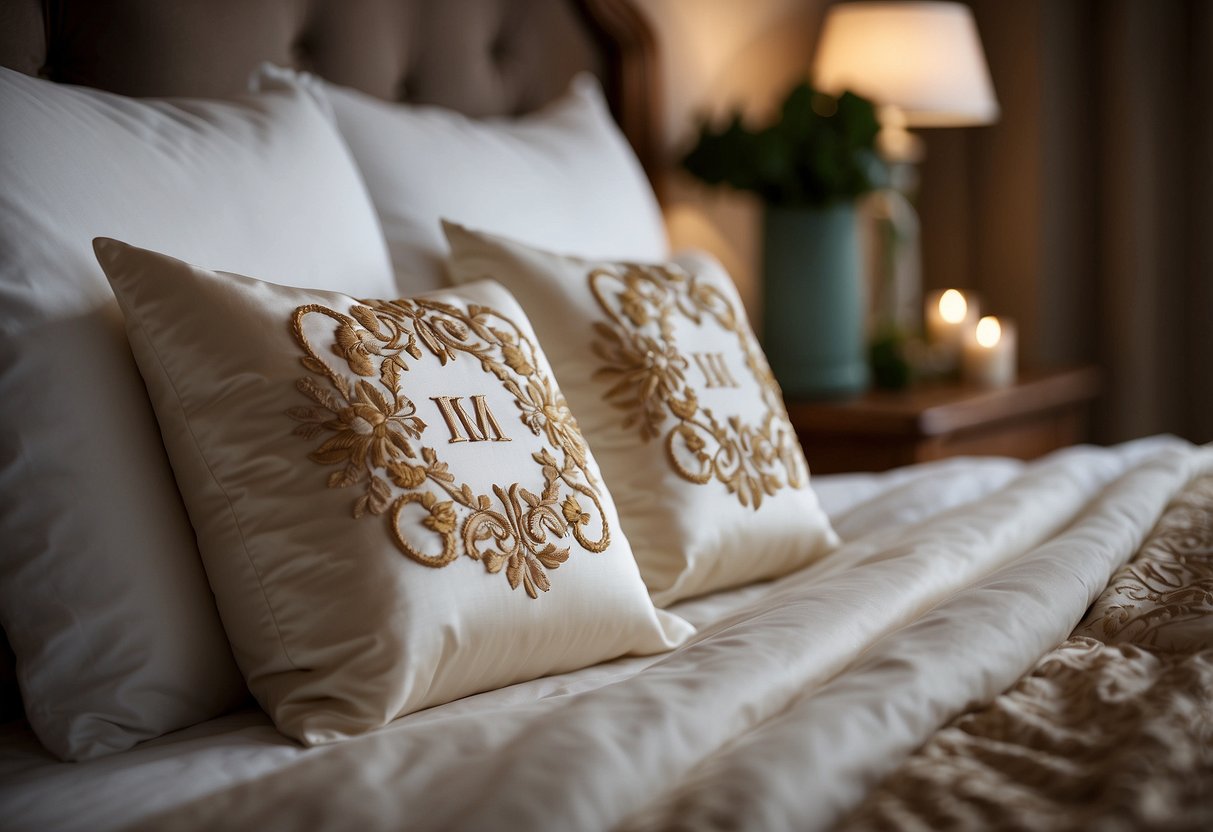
481,57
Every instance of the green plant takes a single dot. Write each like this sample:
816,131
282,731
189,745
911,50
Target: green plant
820,149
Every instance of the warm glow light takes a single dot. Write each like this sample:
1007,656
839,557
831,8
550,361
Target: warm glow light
953,307
989,331
924,58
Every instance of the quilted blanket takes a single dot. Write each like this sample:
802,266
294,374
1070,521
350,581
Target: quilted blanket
1111,730
1039,656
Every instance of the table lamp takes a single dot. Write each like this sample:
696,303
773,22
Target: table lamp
922,64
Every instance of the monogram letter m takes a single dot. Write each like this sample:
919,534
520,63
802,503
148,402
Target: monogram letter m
484,428
715,370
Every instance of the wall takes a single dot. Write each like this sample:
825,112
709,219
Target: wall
1084,212
1006,209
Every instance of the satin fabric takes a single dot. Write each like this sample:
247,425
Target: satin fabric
780,715
880,641
337,628
691,537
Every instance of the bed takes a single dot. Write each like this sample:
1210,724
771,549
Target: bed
973,643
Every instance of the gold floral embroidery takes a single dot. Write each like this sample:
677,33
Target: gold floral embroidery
648,377
1163,599
371,429
1113,729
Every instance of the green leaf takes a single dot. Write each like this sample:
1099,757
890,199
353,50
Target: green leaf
818,150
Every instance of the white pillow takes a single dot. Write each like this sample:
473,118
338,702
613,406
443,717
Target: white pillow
675,397
563,178
393,502
102,594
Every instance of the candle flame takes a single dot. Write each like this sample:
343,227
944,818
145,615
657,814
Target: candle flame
953,307
989,331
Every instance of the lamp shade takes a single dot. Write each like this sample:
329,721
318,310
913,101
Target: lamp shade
924,58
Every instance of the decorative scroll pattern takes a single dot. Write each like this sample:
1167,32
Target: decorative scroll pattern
648,375
371,430
1112,730
1163,599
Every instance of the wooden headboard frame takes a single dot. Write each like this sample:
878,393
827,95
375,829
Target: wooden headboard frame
480,57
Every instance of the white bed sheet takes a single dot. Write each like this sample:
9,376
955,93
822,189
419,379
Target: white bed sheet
37,792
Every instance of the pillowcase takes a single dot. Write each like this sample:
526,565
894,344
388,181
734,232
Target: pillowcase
563,177
102,595
393,502
675,396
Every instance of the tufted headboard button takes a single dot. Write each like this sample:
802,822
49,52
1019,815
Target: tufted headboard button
500,49
301,53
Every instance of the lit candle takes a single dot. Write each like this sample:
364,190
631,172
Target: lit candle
950,315
989,353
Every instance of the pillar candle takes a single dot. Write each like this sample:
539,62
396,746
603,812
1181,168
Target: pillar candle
989,353
950,316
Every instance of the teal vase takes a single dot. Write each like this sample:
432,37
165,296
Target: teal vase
813,306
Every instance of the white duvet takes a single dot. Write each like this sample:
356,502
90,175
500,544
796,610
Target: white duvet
794,699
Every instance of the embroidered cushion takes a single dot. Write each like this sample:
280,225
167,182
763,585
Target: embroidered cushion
102,595
675,397
526,177
394,505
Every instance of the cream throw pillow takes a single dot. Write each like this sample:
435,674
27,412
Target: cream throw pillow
394,505
676,399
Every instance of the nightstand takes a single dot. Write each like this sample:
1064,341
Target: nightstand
883,429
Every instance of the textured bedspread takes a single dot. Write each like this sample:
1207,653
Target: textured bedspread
912,680
1112,730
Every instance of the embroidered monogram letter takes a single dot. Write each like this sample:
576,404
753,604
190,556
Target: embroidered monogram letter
371,429
649,377
715,370
478,431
